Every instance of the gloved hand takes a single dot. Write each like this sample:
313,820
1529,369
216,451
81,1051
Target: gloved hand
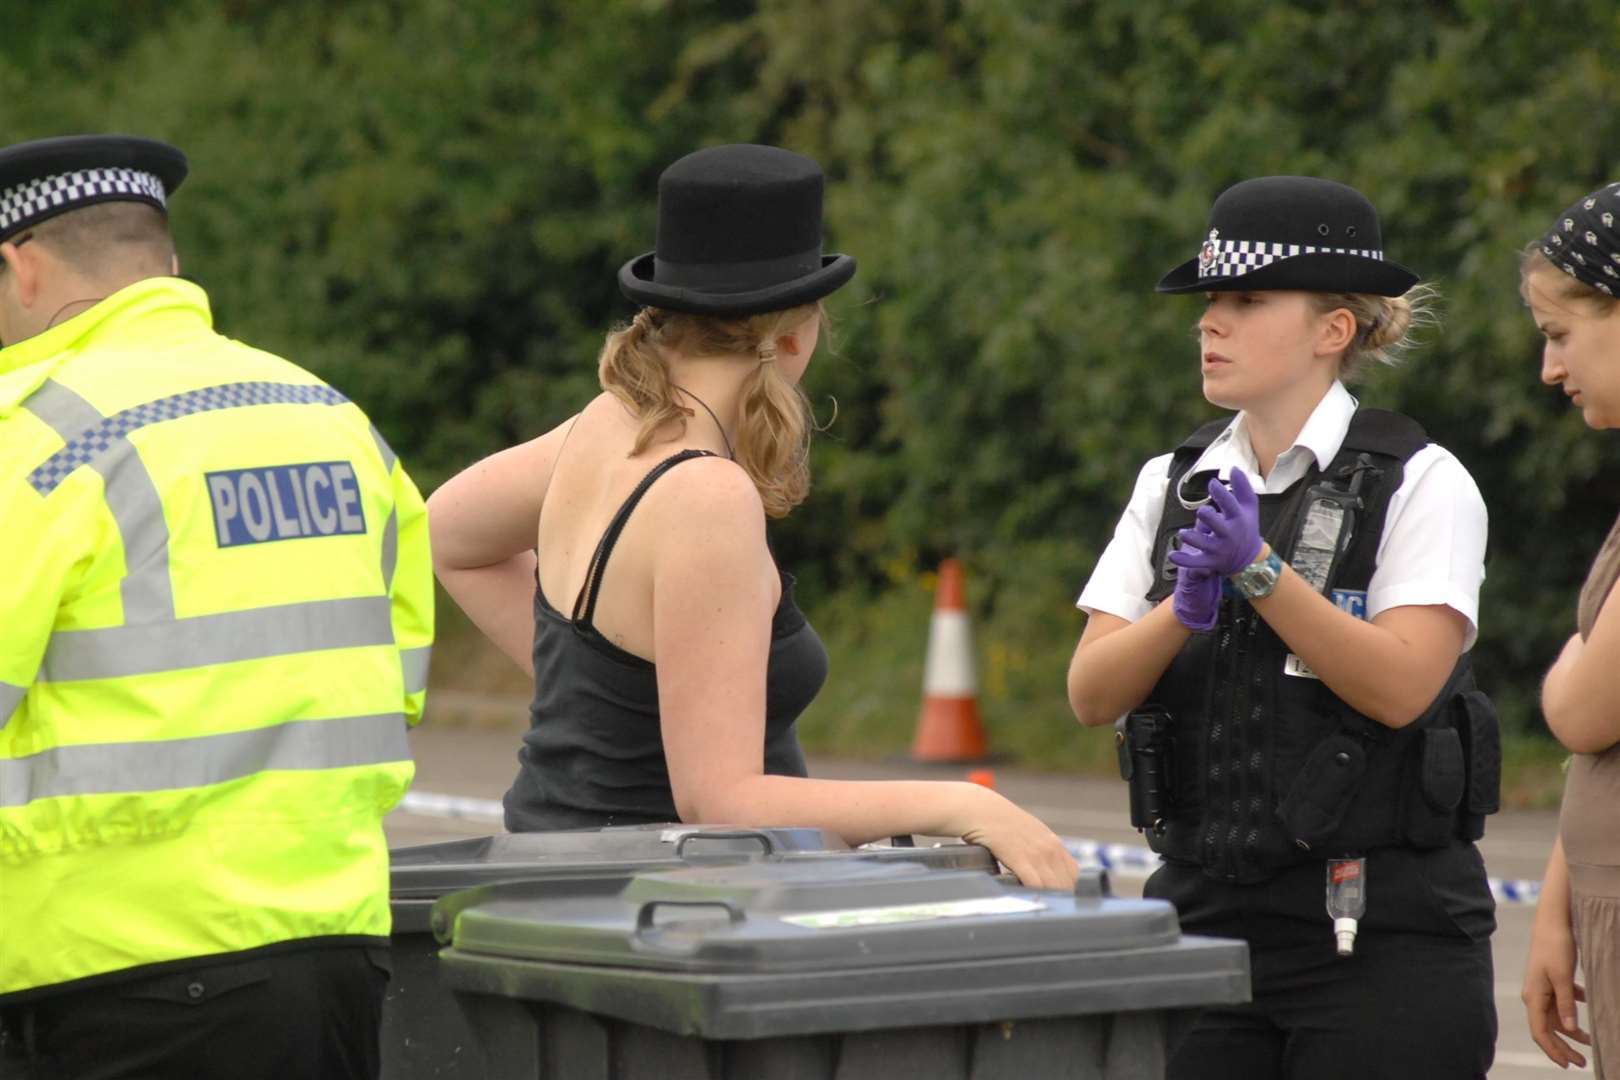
1226,536
1197,599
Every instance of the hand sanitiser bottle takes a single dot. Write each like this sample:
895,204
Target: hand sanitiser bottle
1346,899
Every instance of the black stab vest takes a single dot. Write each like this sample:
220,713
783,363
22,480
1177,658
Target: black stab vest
1269,769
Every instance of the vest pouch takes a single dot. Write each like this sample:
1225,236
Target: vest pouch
1323,790
1432,813
1144,740
1484,737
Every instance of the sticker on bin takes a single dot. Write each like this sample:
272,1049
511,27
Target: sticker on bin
904,913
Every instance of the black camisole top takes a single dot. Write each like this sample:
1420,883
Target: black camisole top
594,753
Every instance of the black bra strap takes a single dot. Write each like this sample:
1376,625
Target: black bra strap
593,573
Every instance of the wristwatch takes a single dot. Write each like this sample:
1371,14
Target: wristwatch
1255,581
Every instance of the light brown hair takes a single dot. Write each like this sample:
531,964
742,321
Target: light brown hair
110,240
1385,325
1532,260
774,425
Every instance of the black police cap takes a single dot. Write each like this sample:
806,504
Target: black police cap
47,177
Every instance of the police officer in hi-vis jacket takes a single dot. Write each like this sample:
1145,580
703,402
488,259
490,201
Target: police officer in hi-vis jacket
217,608
1281,629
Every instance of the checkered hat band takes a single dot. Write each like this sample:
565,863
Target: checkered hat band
1233,258
52,195
91,444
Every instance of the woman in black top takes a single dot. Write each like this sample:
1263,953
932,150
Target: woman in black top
670,660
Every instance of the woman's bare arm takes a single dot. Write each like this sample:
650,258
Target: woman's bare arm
1579,696
1118,662
714,594
1389,669
484,521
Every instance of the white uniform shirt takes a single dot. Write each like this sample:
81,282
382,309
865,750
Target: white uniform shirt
1432,550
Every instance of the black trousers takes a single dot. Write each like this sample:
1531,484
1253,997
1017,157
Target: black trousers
312,1013
1415,1000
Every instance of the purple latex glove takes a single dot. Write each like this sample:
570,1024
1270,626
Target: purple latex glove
1227,535
1197,599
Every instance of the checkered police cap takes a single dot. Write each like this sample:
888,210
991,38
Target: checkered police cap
1222,258
47,177
1291,232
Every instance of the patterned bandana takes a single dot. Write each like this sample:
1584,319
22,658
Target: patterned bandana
1584,242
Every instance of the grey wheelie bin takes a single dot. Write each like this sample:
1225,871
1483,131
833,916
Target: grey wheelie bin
424,1036
789,972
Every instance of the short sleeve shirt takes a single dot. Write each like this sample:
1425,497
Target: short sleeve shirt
1432,550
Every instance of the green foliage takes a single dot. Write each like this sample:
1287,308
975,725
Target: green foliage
426,202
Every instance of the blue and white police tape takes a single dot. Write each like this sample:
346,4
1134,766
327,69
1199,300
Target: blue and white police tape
1130,860
433,804
1124,859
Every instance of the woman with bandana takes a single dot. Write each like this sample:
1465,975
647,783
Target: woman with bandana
1570,278
1281,623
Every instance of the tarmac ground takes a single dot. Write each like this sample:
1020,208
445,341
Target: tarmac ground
470,766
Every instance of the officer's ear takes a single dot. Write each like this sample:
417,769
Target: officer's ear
22,269
1335,331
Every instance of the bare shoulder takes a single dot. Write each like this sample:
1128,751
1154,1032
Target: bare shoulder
490,510
519,473
540,453
707,508
709,489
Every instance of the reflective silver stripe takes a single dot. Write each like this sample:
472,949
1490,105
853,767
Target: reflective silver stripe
116,651
11,696
390,536
132,498
415,663
136,506
387,452
390,549
110,768
68,414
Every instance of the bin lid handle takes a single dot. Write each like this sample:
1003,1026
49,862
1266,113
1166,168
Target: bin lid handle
763,839
648,911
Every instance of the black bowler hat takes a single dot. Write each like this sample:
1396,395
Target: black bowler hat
739,233
1291,232
46,177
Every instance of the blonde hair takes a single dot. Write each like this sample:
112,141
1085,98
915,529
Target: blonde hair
774,424
1385,325
1532,260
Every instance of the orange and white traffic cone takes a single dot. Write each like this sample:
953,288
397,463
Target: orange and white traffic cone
948,730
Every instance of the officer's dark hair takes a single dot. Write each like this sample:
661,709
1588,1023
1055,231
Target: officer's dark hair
110,238
1563,286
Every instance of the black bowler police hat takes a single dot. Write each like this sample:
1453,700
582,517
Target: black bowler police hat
47,177
739,233
1291,232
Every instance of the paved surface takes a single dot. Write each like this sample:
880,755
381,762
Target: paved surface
478,763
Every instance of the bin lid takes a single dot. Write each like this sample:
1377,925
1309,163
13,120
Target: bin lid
797,916
428,871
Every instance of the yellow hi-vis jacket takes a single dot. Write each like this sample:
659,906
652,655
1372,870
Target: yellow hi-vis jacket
216,607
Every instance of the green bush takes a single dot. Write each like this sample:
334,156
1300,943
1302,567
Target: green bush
426,202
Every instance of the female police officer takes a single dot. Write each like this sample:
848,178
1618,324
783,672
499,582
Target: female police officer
1303,710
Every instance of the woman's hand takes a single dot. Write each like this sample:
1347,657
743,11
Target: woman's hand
1018,839
1197,602
1226,536
1550,991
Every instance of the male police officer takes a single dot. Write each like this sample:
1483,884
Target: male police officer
217,609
